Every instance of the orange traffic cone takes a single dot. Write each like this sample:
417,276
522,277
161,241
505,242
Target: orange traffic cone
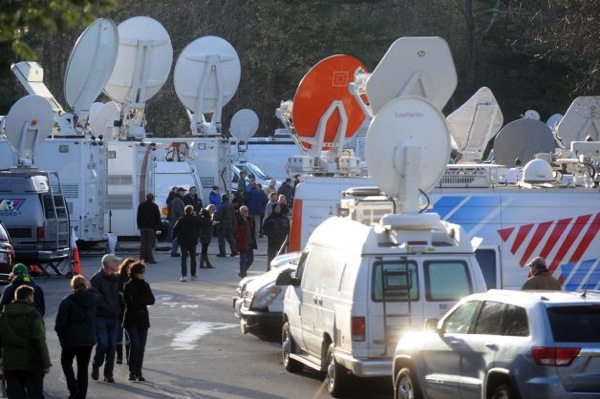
75,264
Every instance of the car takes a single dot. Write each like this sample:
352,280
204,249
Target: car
505,344
7,254
252,170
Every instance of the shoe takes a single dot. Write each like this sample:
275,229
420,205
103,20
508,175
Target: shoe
234,254
183,279
141,378
221,256
175,255
109,379
95,373
209,267
193,278
119,361
242,275
132,377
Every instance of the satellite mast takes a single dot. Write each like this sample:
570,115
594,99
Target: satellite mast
244,125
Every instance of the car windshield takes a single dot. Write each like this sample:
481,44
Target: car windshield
252,169
575,323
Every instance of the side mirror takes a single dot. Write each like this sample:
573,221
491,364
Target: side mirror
431,324
285,278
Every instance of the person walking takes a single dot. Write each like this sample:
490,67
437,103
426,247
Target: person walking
245,240
225,217
269,206
23,348
172,194
105,281
185,232
540,278
287,190
123,276
76,330
148,222
177,206
138,295
256,204
192,198
18,277
206,233
276,228
215,198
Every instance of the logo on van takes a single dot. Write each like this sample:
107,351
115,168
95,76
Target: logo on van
10,207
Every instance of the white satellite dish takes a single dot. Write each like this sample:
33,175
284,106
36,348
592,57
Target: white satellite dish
553,121
90,65
407,149
421,66
532,114
521,140
474,123
29,121
103,118
143,63
244,124
581,121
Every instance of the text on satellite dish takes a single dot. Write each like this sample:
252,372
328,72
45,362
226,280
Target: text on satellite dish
408,114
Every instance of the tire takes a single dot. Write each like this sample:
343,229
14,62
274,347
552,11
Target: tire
287,348
503,391
406,386
337,376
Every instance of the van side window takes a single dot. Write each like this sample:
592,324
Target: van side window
447,280
487,263
393,281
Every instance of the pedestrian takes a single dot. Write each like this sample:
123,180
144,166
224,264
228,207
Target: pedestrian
206,233
271,188
169,201
241,187
177,207
245,240
76,330
148,221
186,233
269,206
123,276
264,199
192,198
540,278
23,348
283,202
277,228
225,217
106,282
138,296
215,197
18,277
287,190
256,203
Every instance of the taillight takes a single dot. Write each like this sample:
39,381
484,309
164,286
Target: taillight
358,329
549,356
40,233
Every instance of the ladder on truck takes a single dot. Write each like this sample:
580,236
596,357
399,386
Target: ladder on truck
396,284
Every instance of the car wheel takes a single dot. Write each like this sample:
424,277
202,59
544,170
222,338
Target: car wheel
503,391
406,385
287,348
337,375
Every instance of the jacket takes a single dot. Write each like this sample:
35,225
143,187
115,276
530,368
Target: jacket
206,227
138,295
215,199
194,201
8,294
225,213
177,206
243,232
542,280
186,230
75,321
257,200
148,216
276,227
23,338
107,285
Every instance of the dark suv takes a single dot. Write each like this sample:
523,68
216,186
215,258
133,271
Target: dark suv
7,254
506,344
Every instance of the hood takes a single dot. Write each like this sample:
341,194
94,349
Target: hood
19,308
85,299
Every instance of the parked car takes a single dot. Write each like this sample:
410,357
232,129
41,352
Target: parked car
505,344
7,254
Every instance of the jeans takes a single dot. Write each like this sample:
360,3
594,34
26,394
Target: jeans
106,346
226,233
147,237
77,385
174,246
185,251
24,384
170,231
137,337
246,259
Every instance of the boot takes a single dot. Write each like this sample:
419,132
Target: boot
202,264
208,264
119,353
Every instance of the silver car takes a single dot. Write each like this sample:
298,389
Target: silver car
505,344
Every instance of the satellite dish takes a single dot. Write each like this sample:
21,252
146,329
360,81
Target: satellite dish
532,114
207,74
103,118
408,145
421,66
244,124
553,121
90,65
143,62
474,123
522,139
581,121
325,83
29,121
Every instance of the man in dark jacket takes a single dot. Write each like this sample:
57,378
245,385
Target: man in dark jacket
25,356
148,221
186,233
172,194
106,282
18,277
225,218
276,228
540,278
192,198
177,206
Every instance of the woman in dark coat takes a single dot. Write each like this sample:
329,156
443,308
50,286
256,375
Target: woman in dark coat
123,275
76,329
276,228
206,233
138,296
186,231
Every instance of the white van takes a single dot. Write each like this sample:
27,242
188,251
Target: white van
359,287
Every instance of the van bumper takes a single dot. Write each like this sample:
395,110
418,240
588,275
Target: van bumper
42,256
366,367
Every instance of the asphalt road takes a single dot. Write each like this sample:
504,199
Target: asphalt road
195,348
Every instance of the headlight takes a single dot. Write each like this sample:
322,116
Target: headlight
263,297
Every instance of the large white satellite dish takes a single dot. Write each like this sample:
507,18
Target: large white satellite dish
407,149
144,59
28,122
90,65
581,121
519,141
244,124
421,66
474,123
103,118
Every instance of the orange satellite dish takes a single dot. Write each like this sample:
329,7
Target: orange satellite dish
324,83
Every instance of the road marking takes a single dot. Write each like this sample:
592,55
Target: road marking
188,338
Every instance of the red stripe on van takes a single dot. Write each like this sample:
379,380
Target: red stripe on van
572,235
296,226
538,235
587,239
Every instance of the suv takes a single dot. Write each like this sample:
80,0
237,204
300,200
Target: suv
7,253
505,344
